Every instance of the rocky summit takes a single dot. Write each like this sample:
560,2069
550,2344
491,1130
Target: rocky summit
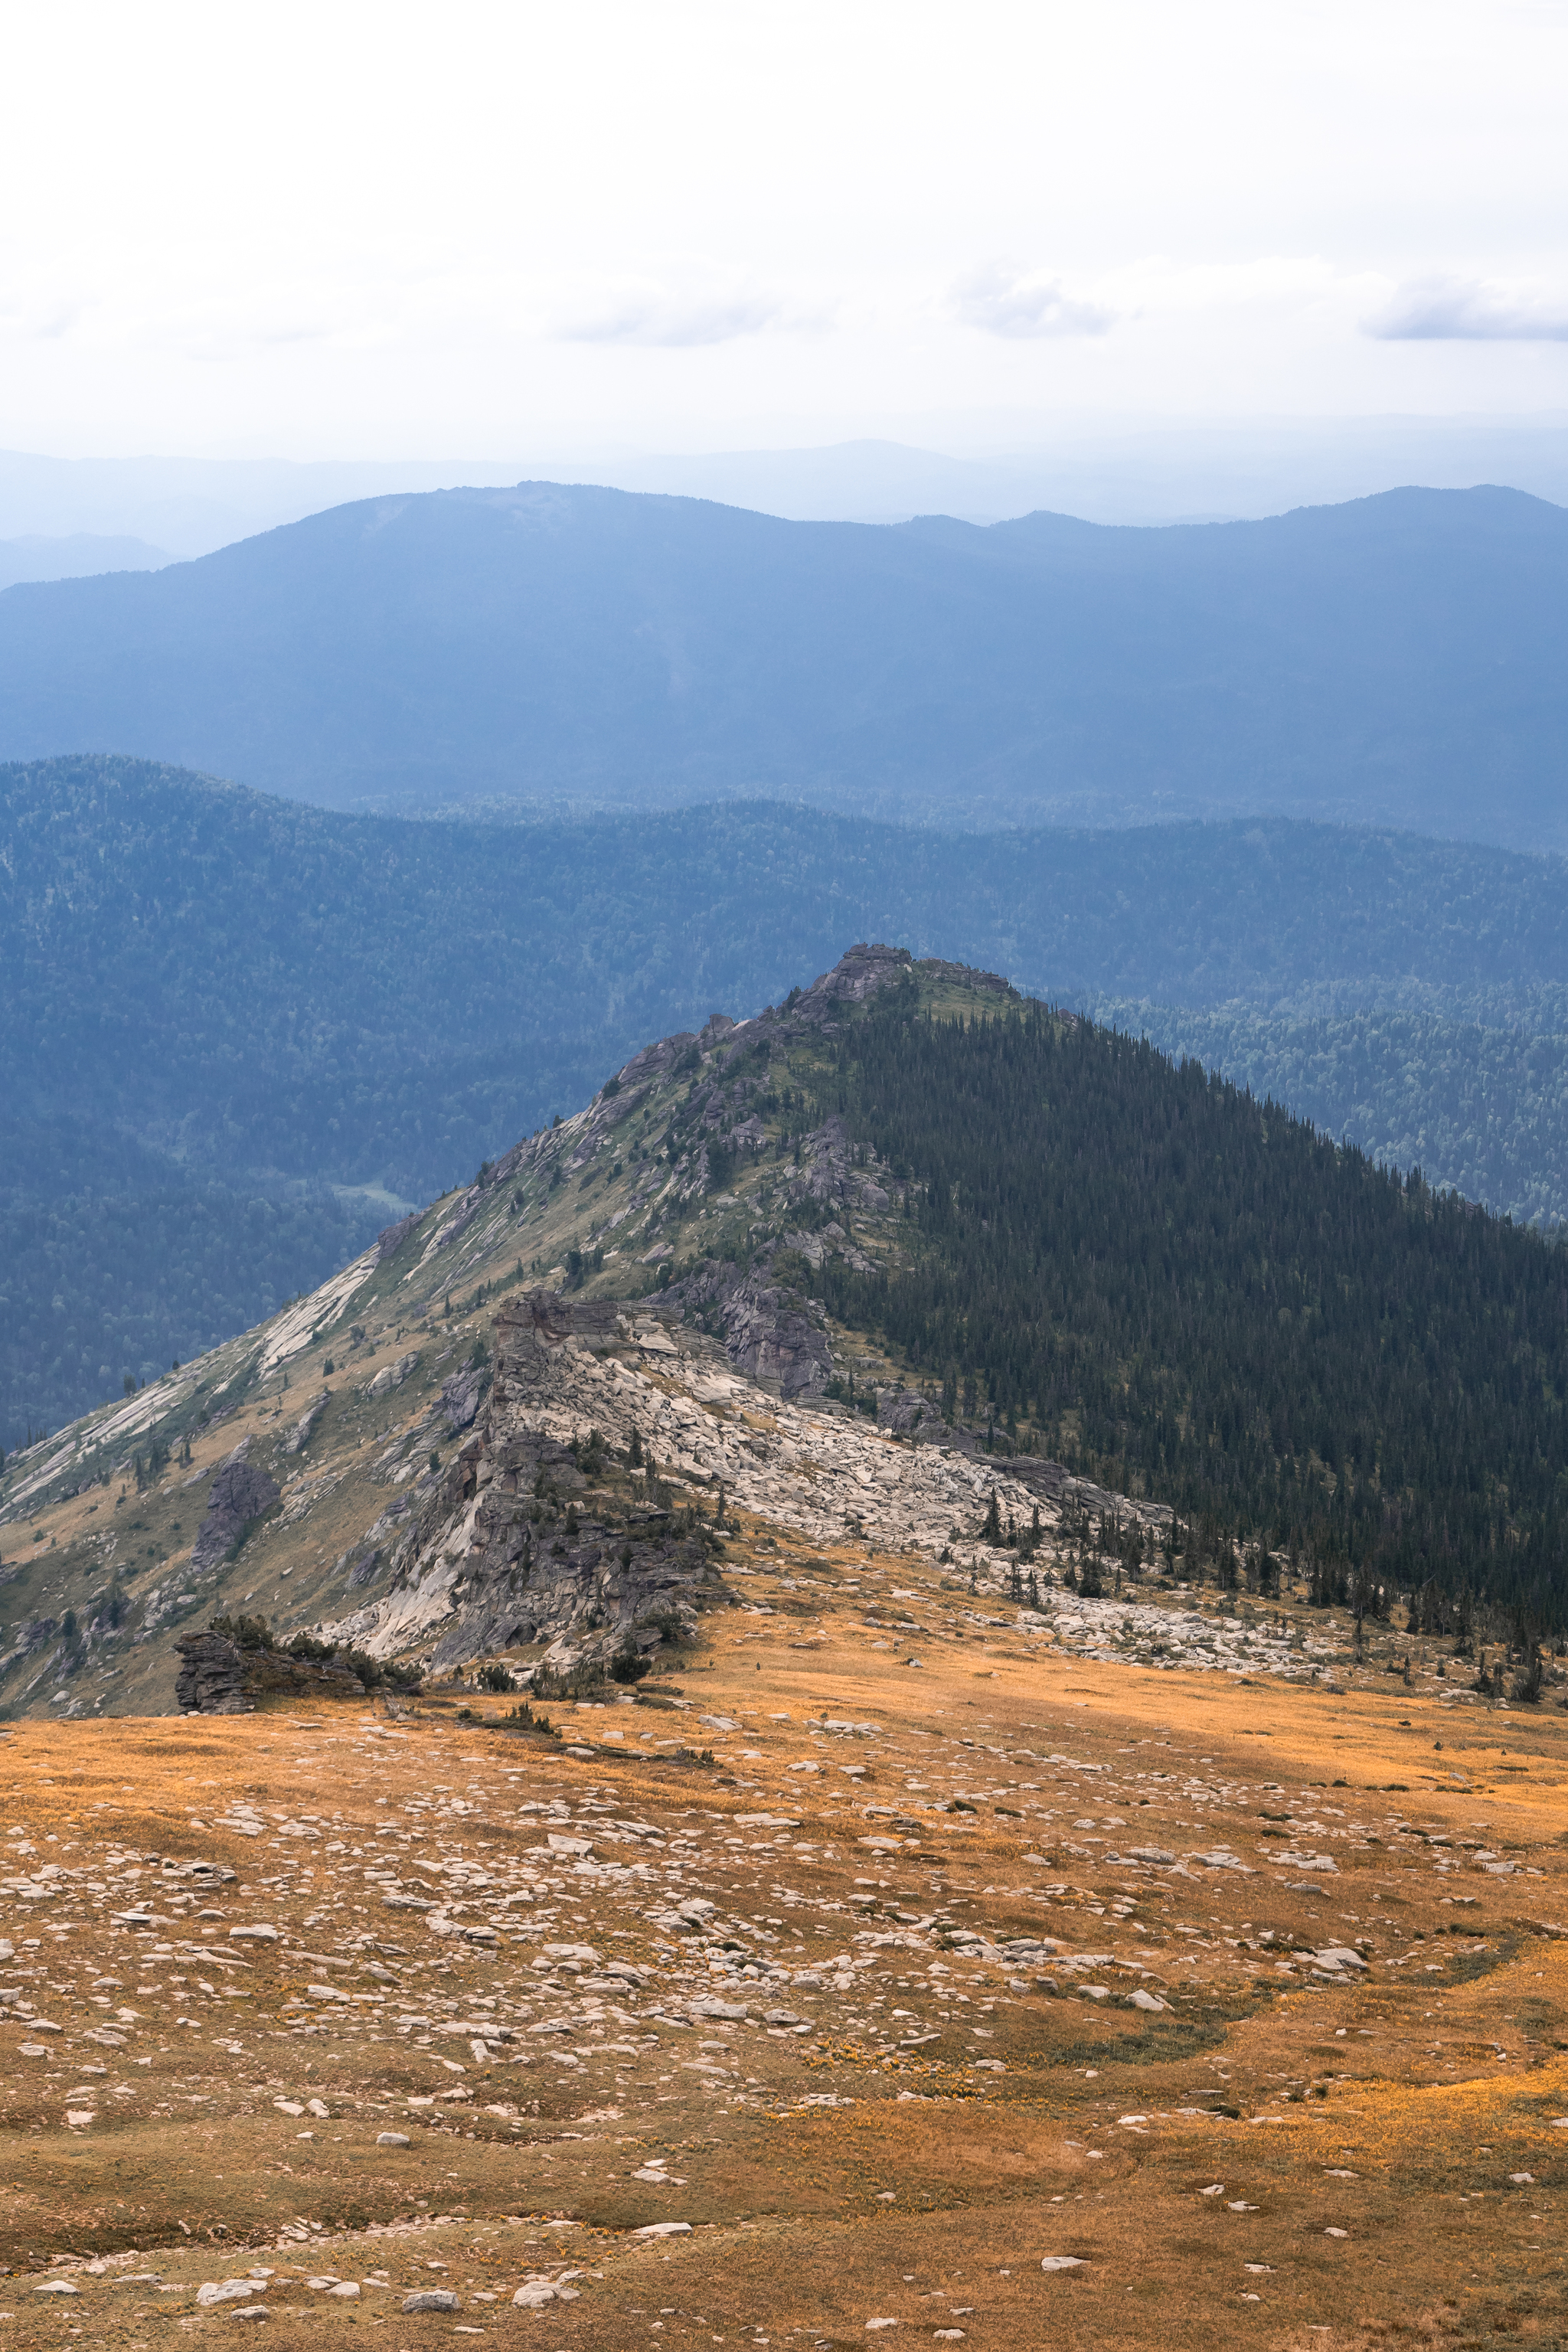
519,1429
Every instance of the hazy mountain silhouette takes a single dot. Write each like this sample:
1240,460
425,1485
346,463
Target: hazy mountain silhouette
1399,659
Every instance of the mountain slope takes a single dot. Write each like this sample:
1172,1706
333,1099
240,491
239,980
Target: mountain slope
1047,1264
287,1022
1397,659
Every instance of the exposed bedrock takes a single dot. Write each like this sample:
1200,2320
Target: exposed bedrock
240,1494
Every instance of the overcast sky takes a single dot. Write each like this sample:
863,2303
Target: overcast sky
350,230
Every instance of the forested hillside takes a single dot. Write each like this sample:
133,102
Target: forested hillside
1484,1109
308,1018
1397,660
1201,1299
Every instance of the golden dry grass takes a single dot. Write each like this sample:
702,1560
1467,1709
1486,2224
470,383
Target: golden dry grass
1393,2106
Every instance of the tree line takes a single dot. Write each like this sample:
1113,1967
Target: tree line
1187,1292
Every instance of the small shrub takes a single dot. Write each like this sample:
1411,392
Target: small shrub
523,1718
245,1632
358,1662
669,1626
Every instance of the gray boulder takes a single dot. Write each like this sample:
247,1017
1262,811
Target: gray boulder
392,1376
240,1494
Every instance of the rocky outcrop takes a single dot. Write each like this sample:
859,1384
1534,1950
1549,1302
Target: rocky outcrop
240,1494
211,1679
907,1414
767,1328
517,1544
363,1565
581,1514
217,1677
304,1429
391,1376
859,972
461,1393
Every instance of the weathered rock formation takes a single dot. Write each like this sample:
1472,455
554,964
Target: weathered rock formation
391,1238
521,1539
767,1328
461,1393
240,1495
217,1677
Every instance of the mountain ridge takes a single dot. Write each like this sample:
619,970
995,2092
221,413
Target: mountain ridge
578,645
735,1225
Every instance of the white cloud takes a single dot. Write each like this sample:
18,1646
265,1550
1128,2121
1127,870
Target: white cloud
1000,302
1469,310
653,317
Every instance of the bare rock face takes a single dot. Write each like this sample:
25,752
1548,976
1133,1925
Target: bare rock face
511,1546
768,1333
585,1513
212,1676
859,972
363,1565
460,1395
391,1237
240,1495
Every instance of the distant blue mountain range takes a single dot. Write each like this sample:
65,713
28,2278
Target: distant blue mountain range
1400,660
